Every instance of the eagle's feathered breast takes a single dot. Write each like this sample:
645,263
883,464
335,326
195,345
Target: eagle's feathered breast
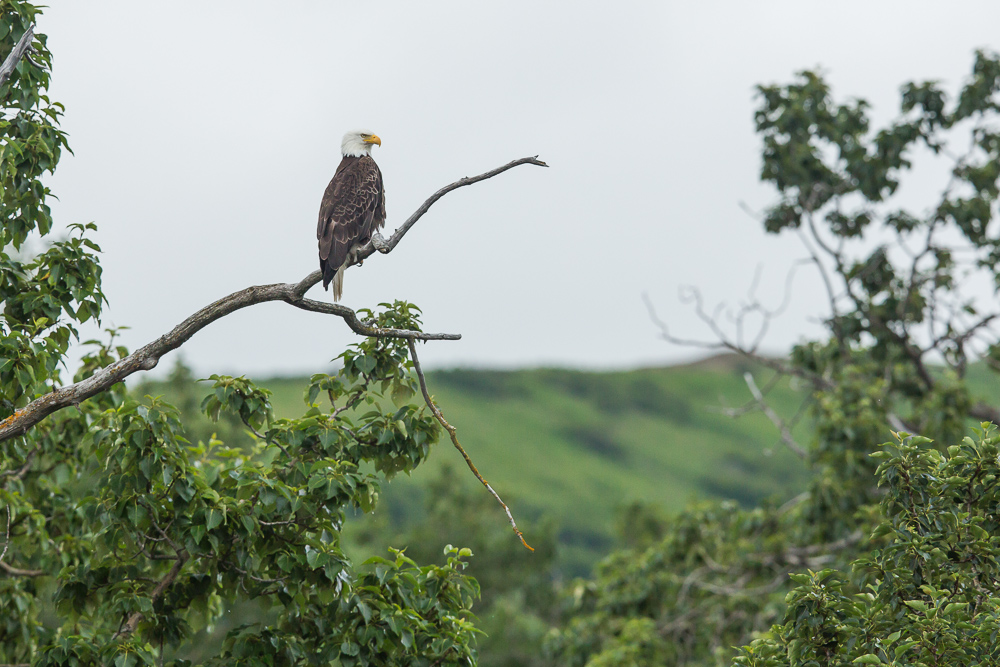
353,209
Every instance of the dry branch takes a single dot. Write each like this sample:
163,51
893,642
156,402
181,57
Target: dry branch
10,569
18,572
390,243
724,343
20,50
454,440
18,474
984,412
133,620
786,434
6,541
146,357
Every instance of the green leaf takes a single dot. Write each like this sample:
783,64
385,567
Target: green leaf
905,646
213,518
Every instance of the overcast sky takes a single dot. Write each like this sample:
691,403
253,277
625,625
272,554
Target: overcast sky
205,134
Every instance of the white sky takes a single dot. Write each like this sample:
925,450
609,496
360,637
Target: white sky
205,133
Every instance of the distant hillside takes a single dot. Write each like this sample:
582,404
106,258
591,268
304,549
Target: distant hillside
581,445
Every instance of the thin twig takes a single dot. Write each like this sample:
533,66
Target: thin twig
369,248
133,621
23,470
179,560
753,404
20,49
18,572
10,569
786,435
147,357
6,539
454,440
724,343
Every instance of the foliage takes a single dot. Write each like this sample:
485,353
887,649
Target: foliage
47,294
516,584
920,544
929,594
122,539
523,425
709,582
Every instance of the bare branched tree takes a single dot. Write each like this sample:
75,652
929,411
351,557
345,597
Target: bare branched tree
896,283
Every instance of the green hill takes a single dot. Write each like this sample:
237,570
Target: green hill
579,446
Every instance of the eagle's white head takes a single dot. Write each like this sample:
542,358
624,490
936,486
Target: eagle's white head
358,143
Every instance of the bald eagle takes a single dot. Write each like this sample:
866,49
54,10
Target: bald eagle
353,208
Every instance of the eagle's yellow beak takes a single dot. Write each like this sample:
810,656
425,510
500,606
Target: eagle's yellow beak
373,139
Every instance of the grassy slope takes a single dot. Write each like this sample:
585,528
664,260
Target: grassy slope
578,446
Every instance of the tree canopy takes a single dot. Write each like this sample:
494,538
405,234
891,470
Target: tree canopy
123,542
891,549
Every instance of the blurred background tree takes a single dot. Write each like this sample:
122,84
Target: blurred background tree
903,330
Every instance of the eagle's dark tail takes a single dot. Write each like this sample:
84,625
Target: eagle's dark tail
328,272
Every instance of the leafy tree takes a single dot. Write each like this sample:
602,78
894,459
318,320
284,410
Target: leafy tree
897,573
517,589
928,594
184,390
123,542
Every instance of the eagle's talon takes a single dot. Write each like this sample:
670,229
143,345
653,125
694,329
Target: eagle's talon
380,243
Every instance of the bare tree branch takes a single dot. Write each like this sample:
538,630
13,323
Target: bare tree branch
20,49
454,440
18,572
146,357
725,344
752,405
985,413
814,556
133,621
6,539
20,472
737,589
786,435
397,236
10,569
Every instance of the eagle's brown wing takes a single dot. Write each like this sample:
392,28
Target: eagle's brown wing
353,208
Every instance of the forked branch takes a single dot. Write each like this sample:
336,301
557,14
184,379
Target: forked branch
779,423
148,356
